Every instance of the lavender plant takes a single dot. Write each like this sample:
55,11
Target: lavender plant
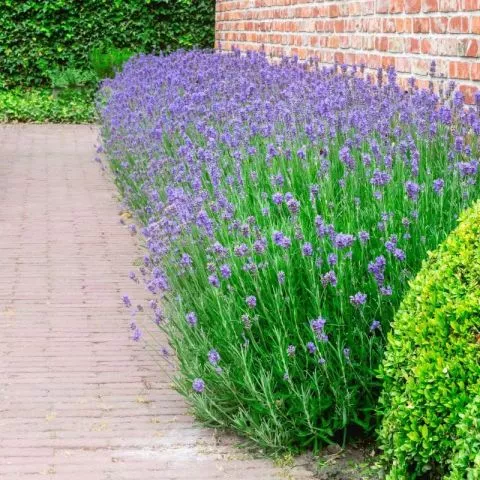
285,209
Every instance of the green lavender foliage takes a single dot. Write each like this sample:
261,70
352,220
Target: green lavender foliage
201,145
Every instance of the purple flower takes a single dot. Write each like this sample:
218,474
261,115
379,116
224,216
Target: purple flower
198,385
413,190
277,198
191,318
164,351
311,347
386,291
291,350
247,323
281,240
225,271
260,245
363,236
186,260
137,334
468,168
293,205
213,357
318,324
322,228
281,277
438,185
375,325
380,178
343,240
399,254
318,328
219,249
458,143
377,268
329,279
391,243
126,301
213,281
332,259
358,299
241,250
251,301
307,249
346,158
346,353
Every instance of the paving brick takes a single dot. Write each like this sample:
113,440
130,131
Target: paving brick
78,399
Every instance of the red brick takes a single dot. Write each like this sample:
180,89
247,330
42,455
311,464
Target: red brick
471,48
475,71
413,6
471,5
430,6
476,25
320,25
333,41
389,25
367,7
426,46
397,6
458,25
387,61
368,43
421,25
449,5
396,45
403,25
403,65
337,22
356,42
413,45
469,92
333,11
420,66
383,6
439,24
381,44
344,41
339,26
459,70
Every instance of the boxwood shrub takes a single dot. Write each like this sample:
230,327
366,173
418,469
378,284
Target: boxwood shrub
431,370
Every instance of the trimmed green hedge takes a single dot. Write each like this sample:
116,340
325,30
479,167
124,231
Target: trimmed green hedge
35,36
431,371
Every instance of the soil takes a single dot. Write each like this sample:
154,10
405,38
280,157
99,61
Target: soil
355,462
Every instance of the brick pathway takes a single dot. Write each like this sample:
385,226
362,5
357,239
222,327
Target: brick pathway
79,399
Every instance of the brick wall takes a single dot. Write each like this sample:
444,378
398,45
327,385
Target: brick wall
408,34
